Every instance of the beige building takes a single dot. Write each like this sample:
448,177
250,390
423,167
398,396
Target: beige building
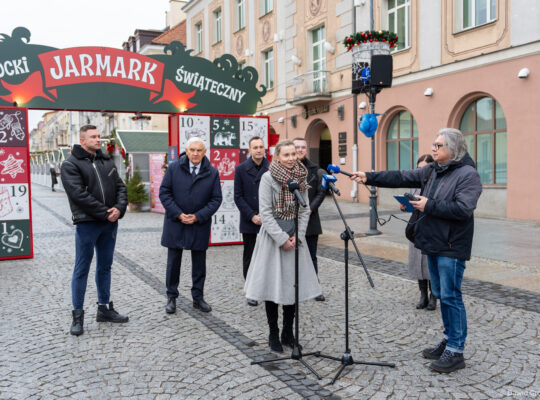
460,63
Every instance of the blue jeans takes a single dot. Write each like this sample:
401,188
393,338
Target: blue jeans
102,237
446,275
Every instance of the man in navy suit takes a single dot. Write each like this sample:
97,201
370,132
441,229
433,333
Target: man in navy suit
190,193
247,177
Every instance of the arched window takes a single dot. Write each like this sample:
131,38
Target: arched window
484,127
402,142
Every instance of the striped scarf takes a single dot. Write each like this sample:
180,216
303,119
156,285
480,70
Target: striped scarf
285,204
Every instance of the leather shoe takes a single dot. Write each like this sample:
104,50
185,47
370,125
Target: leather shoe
320,298
171,306
252,303
202,305
109,314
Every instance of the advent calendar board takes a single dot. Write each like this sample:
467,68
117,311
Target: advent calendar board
227,141
15,207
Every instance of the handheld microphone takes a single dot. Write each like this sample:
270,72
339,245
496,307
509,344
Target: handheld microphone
294,188
334,169
328,182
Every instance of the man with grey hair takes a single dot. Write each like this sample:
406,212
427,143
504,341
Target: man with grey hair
450,188
190,193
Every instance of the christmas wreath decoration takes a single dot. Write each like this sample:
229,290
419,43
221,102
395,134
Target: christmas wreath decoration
369,37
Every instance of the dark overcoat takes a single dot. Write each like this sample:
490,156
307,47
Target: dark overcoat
246,192
316,196
180,193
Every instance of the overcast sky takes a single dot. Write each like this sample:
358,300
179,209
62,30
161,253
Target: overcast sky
74,23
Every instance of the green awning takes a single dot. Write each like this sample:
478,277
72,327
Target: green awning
144,141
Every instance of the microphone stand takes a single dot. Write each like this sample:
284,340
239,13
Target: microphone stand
296,352
347,359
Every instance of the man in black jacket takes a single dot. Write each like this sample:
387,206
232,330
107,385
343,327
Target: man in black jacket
444,232
98,198
316,196
247,177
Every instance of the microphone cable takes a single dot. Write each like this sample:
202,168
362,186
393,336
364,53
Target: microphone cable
381,221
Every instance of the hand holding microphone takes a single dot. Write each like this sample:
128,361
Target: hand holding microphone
359,176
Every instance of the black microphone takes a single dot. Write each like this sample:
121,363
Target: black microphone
334,169
294,188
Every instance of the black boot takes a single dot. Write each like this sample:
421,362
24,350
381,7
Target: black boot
272,317
432,304
287,335
422,284
77,324
434,353
109,314
449,362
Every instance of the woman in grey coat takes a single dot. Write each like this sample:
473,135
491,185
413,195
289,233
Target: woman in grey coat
270,276
418,267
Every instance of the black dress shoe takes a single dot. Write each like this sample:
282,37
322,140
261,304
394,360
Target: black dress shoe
77,324
202,305
435,353
109,314
320,298
252,303
448,362
171,306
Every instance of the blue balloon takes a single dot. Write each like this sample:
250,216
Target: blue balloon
368,124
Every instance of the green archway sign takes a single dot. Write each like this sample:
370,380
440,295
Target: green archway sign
107,79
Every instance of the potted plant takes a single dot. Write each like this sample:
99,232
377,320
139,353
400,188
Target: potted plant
135,191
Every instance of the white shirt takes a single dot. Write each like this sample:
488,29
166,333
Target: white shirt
197,168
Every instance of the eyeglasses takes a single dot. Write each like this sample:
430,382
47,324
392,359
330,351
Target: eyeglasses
437,146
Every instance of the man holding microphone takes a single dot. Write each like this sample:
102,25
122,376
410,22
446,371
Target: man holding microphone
444,232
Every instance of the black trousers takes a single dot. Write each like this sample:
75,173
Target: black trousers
249,244
198,272
312,246
272,316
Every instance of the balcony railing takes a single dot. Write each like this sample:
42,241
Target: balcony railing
310,87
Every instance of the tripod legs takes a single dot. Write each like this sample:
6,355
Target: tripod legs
295,355
347,359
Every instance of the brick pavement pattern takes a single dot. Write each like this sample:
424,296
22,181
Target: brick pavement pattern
191,355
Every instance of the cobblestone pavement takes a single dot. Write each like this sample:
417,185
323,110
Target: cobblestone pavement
191,355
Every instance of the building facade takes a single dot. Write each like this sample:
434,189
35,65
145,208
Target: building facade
458,63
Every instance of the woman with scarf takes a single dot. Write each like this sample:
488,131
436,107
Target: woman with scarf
271,272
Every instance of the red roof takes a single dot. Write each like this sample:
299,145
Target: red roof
176,33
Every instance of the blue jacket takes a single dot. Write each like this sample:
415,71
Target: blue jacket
246,192
446,227
180,193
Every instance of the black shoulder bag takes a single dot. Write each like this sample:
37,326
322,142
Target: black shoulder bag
411,225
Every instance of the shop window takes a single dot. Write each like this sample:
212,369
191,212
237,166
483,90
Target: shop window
402,142
484,127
